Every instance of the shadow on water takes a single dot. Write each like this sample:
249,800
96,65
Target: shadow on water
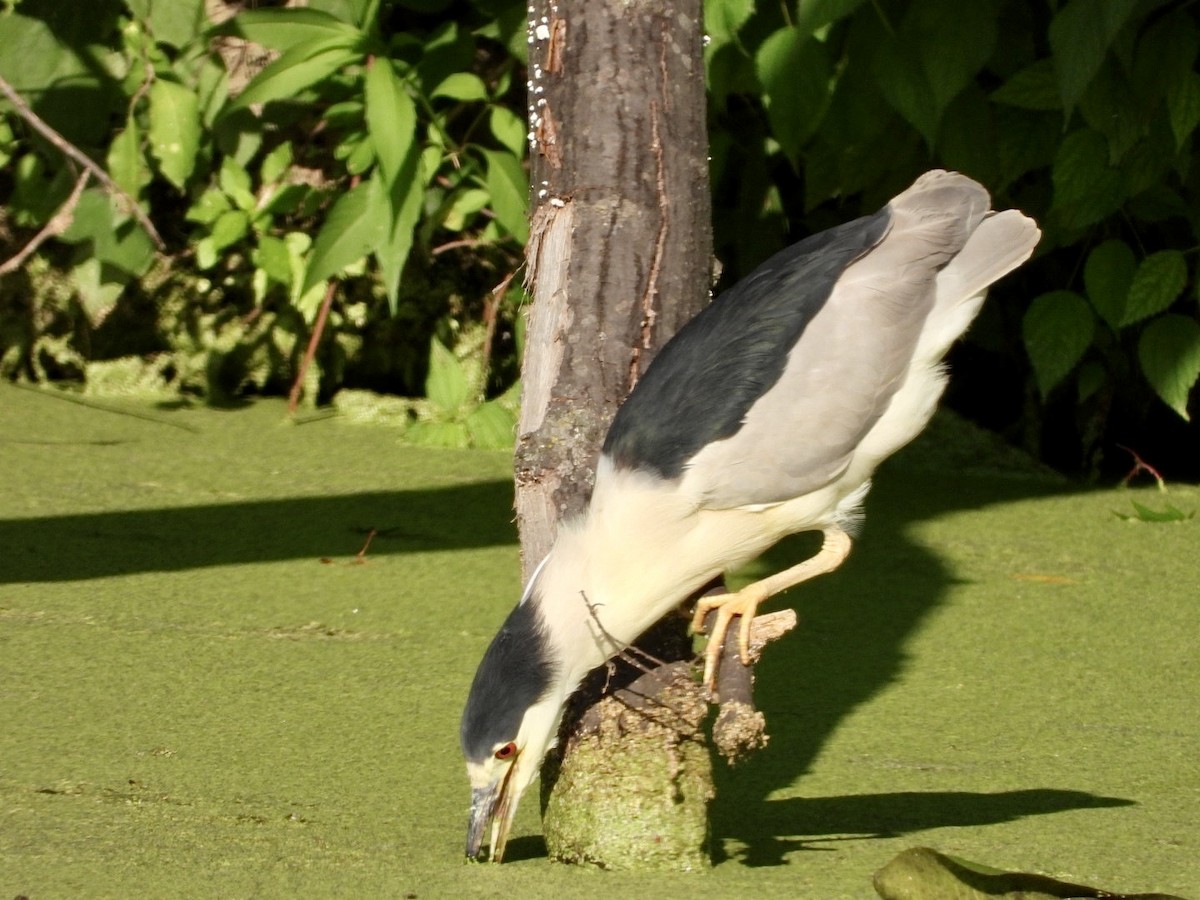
96,545
850,645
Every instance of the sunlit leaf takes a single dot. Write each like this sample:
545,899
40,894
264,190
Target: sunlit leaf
276,163
1169,352
508,128
391,116
126,162
302,66
282,29
273,257
356,225
1057,330
509,188
447,384
1107,275
461,86
174,129
491,426
1159,280
797,81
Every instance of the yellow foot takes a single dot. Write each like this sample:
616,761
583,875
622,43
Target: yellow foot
744,603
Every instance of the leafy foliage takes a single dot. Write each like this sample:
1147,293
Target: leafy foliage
281,150
1082,113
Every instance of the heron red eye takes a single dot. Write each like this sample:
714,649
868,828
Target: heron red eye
508,751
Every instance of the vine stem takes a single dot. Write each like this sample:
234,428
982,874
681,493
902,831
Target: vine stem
72,152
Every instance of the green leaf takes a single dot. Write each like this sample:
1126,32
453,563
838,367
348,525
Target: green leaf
235,182
461,86
96,296
1086,187
508,128
1169,352
355,226
1158,281
405,195
299,68
491,426
1107,275
934,54
1183,107
1080,35
797,82
126,163
1057,330
174,22
446,385
211,204
283,29
464,205
229,228
724,18
174,130
276,163
814,15
273,257
438,434
1034,87
510,192
391,117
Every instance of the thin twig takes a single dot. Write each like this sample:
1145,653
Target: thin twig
1140,465
313,340
59,222
626,652
70,150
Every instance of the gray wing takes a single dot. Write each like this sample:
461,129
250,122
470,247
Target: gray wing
704,382
848,361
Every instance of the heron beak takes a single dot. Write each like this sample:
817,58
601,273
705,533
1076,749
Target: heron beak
494,804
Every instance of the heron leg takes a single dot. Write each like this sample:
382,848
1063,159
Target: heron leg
834,549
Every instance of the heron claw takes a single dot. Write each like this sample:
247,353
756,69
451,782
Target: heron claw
727,606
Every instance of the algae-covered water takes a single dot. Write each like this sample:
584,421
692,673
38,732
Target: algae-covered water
206,692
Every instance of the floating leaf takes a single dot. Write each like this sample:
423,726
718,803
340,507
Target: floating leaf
1169,351
1143,513
1107,275
1057,330
1158,281
1080,36
174,129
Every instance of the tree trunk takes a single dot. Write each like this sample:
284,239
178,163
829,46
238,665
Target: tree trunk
621,241
618,259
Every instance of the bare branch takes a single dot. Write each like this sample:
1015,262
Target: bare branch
74,153
59,222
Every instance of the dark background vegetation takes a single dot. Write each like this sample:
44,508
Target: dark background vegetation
355,169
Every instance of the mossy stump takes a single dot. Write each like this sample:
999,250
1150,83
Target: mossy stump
633,789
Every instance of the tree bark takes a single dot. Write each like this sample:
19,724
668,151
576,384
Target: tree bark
618,259
621,239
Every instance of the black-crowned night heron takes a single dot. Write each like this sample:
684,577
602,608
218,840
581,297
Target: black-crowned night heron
764,416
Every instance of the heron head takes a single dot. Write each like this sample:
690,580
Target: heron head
511,720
